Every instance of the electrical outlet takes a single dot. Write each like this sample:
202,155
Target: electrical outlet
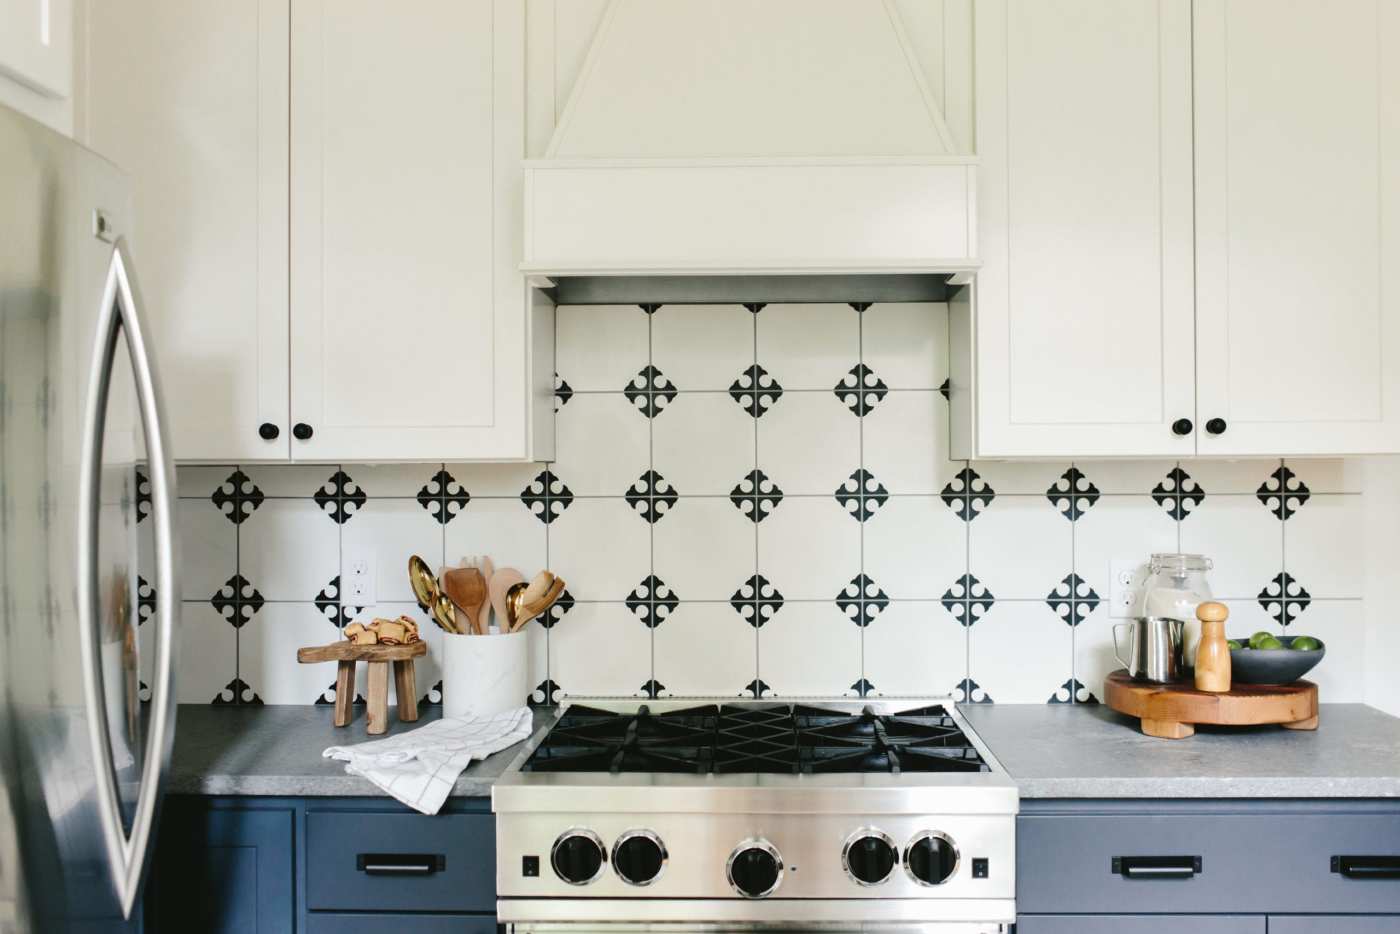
1128,576
357,574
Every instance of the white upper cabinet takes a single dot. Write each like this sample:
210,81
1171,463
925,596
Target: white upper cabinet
190,99
1298,225
409,326
1083,341
36,45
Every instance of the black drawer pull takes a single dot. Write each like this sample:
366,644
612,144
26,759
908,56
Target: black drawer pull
1156,867
1367,867
400,864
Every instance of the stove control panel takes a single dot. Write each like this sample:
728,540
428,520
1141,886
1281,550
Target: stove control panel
755,868
578,856
639,857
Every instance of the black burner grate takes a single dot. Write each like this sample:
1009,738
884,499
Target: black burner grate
770,738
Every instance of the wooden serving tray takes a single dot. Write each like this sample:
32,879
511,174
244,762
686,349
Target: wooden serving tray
1172,710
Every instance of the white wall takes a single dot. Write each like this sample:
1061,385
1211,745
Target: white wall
1381,530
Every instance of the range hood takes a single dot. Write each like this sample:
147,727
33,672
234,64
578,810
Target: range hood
734,137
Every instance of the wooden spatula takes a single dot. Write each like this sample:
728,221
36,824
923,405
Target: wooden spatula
488,570
498,586
467,589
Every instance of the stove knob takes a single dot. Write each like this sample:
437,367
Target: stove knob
578,856
638,857
869,856
931,858
755,868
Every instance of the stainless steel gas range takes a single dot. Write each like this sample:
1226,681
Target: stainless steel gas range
730,814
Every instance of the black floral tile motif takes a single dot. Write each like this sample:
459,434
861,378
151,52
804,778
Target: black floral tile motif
563,392
755,391
1072,494
1284,599
556,611
1178,494
237,497
236,691
653,689
340,497
650,391
862,688
433,698
968,599
1283,493
755,307
237,601
862,495
1072,692
143,692
945,389
757,688
443,497
1073,599
861,389
756,601
862,600
652,601
860,306
546,695
756,496
327,697
967,494
650,307
970,692
145,599
143,496
547,497
328,602
652,496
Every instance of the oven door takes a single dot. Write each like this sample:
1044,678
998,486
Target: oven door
788,927
702,916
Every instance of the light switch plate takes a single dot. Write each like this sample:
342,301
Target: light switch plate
1128,576
357,576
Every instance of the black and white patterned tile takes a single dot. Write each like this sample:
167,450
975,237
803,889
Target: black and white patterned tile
1018,546
391,530
602,548
704,548
1243,539
599,348
705,649
809,649
808,346
287,546
809,548
809,444
702,347
704,444
914,545
1020,653
906,343
601,648
601,445
916,648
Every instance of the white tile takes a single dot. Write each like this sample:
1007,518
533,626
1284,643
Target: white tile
915,648
703,548
398,480
494,480
394,530
906,343
1246,618
914,546
1241,537
809,548
1020,653
199,481
427,669
601,444
1020,477
1341,626
702,346
503,530
1241,476
1094,656
808,346
599,347
1020,547
809,443
703,443
705,649
283,480
600,648
288,549
601,547
207,547
267,653
208,653
1329,475
1323,548
1119,527
906,442
809,649
1126,477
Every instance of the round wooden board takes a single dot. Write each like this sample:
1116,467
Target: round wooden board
1170,710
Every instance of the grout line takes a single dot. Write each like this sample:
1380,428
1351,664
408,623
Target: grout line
757,629
651,506
860,485
1073,591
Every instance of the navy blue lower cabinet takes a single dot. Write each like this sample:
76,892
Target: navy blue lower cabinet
1333,924
1145,924
331,922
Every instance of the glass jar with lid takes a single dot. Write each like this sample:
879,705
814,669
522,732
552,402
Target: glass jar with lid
1176,584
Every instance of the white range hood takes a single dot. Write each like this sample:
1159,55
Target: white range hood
744,137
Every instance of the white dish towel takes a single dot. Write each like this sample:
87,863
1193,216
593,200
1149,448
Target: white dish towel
421,766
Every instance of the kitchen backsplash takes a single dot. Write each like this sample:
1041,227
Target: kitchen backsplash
755,499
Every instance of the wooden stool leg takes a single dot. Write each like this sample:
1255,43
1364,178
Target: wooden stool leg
1309,724
378,715
406,687
344,691
1167,729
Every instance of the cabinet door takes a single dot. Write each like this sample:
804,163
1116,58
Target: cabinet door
1141,924
1298,225
36,45
1084,341
409,330
189,97
1334,924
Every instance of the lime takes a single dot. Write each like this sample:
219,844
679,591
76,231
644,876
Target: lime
1305,644
1269,643
1259,637
1234,645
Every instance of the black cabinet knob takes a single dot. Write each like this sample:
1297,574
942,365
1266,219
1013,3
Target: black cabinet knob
268,431
578,856
301,431
755,869
869,856
638,857
1182,426
1216,426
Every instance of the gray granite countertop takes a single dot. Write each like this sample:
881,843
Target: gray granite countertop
1055,751
276,750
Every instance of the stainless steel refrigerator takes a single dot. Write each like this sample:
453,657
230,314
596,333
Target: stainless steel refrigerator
88,594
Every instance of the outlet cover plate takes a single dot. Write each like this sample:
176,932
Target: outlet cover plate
357,576
1128,576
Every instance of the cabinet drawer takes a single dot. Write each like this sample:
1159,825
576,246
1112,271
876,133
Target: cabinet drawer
338,923
1333,924
1263,862
1139,924
400,862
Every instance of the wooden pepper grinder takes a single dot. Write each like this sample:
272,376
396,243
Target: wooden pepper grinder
1213,654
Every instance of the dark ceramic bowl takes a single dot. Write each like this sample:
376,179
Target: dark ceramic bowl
1273,666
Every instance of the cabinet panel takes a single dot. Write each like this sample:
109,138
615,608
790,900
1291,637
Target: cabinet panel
1084,341
1140,924
1333,924
36,45
322,922
409,328
190,99
1298,211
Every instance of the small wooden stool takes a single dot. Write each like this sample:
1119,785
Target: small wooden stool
346,654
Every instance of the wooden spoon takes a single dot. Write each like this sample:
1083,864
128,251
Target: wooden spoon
467,588
498,586
528,608
488,570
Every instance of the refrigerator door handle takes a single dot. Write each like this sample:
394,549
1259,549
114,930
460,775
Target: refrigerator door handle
120,316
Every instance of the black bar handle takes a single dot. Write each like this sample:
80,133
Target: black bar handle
1156,867
1367,867
400,864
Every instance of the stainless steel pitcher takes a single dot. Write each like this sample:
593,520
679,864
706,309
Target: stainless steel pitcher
1155,649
